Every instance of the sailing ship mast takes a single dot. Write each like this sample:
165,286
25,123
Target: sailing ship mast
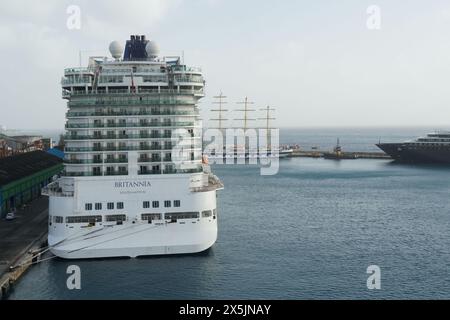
267,118
220,101
246,110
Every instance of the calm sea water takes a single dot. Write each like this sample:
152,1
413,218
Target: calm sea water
309,232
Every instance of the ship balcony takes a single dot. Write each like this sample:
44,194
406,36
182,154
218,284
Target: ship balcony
126,148
141,100
120,137
75,82
131,125
94,174
182,69
82,161
130,92
155,161
169,171
65,94
205,182
72,114
145,172
189,82
58,190
149,160
92,161
78,71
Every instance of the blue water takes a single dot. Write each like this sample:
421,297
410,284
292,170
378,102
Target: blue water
309,232
351,139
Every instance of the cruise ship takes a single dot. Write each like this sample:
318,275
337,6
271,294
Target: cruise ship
134,181
433,148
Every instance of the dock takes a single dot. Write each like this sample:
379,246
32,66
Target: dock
356,155
19,239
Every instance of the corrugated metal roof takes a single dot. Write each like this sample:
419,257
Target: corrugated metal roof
23,165
56,152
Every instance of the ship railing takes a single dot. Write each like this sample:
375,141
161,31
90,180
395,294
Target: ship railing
186,69
130,113
92,161
169,171
129,91
78,70
93,174
53,189
127,148
208,181
132,125
66,81
148,101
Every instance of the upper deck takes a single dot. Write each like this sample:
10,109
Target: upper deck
138,70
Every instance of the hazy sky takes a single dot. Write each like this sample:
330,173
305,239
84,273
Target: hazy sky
315,61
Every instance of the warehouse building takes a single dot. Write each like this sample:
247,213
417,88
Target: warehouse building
22,176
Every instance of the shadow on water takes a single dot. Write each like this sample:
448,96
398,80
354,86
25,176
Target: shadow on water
205,253
417,165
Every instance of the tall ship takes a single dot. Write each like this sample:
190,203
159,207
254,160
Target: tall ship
235,151
134,183
433,148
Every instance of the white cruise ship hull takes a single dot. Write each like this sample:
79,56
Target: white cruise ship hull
138,240
70,238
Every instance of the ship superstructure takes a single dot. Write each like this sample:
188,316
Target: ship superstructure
134,182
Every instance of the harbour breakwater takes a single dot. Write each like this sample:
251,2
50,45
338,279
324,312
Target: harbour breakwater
345,155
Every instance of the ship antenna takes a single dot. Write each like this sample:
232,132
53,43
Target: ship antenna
246,110
220,101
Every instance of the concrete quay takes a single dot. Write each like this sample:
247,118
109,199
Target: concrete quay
19,240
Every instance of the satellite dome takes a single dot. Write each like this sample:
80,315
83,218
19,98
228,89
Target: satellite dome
116,49
152,49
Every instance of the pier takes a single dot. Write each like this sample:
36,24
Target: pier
354,155
19,238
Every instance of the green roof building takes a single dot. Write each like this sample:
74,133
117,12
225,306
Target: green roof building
22,177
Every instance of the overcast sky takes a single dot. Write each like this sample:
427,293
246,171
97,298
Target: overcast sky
317,62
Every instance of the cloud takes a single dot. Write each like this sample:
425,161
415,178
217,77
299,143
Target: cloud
38,45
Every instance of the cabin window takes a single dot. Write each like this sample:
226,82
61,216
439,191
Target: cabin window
119,205
146,204
98,206
88,206
110,205
155,204
83,219
177,203
151,216
58,219
116,217
206,213
167,204
181,215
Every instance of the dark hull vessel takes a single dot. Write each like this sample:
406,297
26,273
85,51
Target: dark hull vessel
339,156
337,153
413,152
